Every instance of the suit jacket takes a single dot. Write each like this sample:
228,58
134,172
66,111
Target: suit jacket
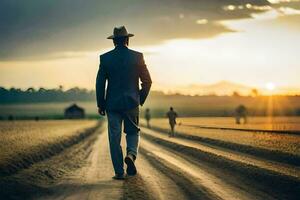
122,69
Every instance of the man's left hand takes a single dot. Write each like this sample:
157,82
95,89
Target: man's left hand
101,112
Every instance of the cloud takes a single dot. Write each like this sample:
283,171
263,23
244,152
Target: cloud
37,29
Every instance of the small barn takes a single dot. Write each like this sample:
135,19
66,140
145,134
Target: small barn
74,112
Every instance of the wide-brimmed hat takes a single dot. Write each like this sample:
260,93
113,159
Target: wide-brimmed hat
120,32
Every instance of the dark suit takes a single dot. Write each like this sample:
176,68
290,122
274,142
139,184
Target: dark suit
122,68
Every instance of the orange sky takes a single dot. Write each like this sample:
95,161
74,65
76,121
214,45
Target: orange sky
256,51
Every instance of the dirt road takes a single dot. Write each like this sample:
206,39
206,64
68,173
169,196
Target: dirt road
93,181
177,168
184,167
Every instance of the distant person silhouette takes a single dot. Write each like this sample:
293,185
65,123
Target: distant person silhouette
241,113
122,69
148,117
172,115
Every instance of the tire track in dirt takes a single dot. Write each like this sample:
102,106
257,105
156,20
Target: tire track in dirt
271,155
196,175
187,187
152,183
167,169
154,180
93,181
227,154
257,179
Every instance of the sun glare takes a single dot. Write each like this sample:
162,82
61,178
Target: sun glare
270,86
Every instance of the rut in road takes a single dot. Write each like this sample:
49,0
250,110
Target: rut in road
260,178
195,178
164,172
282,168
94,180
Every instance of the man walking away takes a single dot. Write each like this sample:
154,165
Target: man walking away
122,69
148,117
172,115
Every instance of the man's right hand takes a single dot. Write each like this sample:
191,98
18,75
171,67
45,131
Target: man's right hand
101,112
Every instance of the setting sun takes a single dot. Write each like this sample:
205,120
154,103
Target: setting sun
270,86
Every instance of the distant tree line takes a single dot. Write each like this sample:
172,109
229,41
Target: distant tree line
17,95
291,105
158,101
